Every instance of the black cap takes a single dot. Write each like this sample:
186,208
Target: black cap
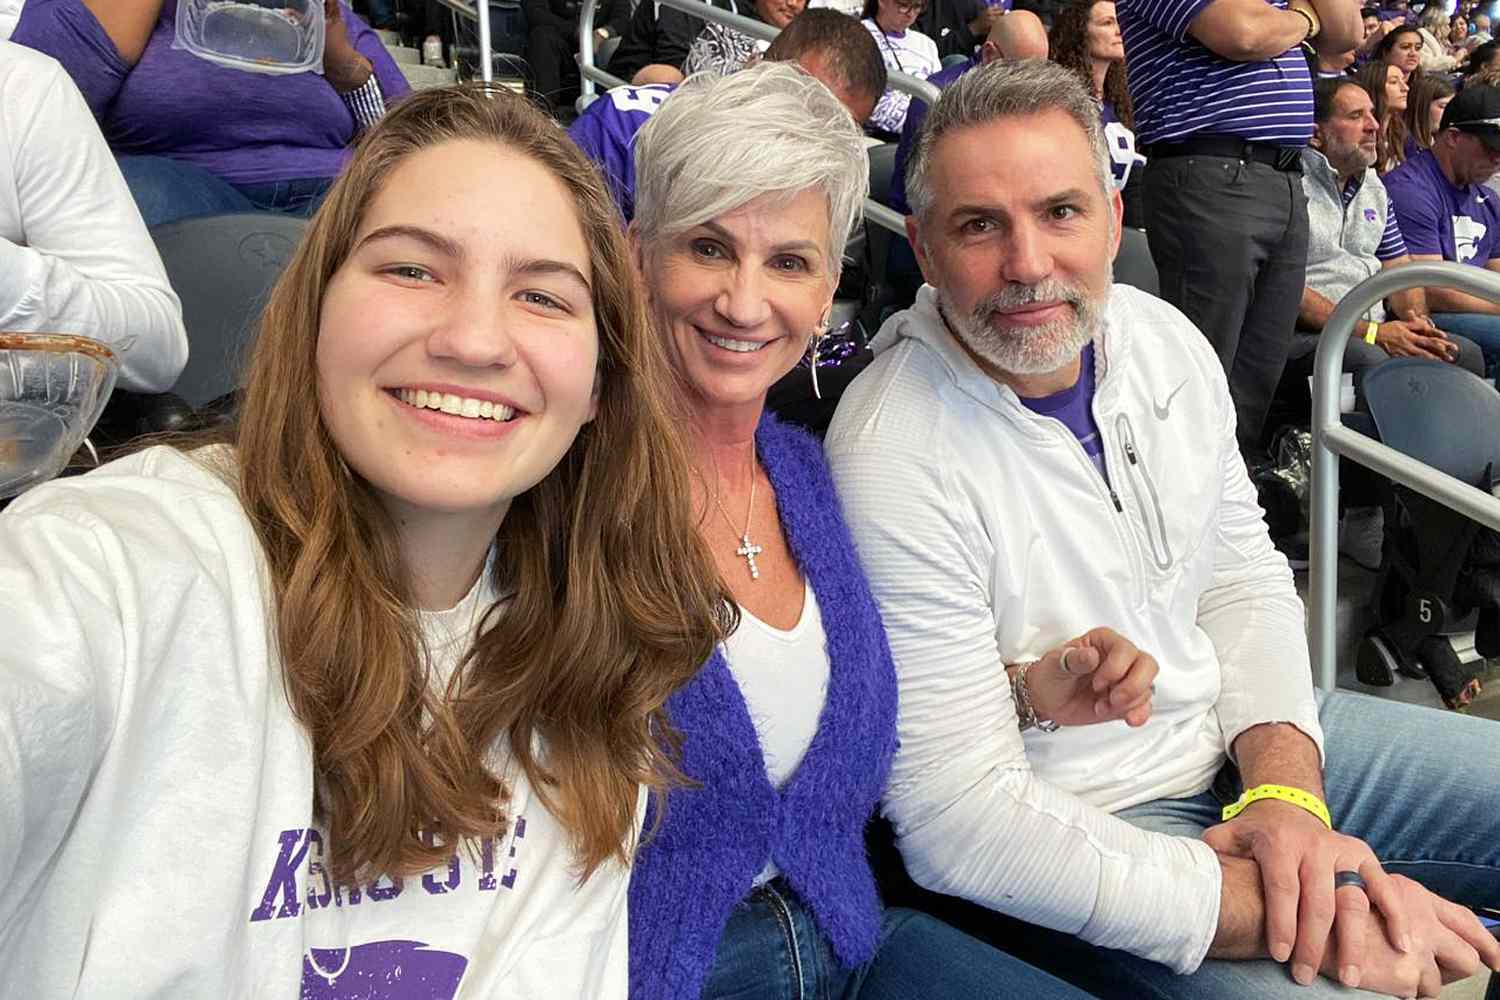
1476,110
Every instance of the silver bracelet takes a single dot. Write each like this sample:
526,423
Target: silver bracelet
1025,711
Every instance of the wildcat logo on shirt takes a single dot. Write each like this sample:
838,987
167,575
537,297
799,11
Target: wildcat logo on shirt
376,970
1466,236
1370,215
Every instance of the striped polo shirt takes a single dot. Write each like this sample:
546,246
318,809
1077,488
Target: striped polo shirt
1180,88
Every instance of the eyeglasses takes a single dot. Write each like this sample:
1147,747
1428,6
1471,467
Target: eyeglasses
910,6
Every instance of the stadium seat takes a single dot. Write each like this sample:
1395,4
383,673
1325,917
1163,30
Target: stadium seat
954,59
1437,565
223,268
605,51
878,293
1133,264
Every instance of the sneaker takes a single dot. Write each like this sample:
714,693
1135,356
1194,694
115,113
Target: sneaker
1361,535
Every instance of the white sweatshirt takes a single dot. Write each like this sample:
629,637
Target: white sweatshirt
989,537
75,256
156,828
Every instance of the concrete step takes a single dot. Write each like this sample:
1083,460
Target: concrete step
1356,585
423,77
388,37
405,56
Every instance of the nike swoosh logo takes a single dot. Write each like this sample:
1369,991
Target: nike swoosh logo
1164,409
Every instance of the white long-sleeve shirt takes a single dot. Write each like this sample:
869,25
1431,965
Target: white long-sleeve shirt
75,256
157,835
989,537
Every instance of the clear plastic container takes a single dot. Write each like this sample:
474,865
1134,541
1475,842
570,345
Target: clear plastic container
276,36
52,389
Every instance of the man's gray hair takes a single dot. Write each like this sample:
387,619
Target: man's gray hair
720,142
998,90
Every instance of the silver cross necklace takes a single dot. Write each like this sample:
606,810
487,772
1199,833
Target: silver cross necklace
747,549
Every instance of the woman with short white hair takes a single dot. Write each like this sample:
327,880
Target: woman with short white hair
756,883
1433,27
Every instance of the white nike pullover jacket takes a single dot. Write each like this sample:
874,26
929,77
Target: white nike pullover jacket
989,538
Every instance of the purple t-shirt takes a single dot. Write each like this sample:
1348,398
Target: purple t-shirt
1436,218
247,128
1074,407
606,134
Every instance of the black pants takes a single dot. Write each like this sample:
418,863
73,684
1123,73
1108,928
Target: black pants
1230,243
549,50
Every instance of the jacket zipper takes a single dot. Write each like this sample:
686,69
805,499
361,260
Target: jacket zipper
1141,484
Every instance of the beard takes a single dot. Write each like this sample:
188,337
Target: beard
1030,350
1347,157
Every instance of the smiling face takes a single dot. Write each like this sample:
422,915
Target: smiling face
1020,246
740,295
1105,43
457,348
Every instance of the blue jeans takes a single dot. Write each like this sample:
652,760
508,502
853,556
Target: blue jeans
1418,785
1481,328
772,950
166,190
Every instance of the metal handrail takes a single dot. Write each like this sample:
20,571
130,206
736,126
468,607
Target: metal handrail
1332,439
874,211
480,14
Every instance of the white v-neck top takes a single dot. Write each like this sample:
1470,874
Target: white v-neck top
783,676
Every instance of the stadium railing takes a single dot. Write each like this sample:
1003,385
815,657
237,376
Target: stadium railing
875,211
1332,439
479,13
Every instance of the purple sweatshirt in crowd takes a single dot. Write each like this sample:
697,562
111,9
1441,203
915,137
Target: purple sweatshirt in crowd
247,128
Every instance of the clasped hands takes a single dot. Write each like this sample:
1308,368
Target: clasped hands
1393,936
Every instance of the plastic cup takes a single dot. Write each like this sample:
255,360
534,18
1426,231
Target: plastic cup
275,36
52,389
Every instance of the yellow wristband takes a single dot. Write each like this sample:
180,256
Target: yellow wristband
1295,796
1370,332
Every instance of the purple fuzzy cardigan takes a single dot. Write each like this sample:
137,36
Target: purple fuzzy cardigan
715,838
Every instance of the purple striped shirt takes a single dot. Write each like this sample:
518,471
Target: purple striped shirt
1180,88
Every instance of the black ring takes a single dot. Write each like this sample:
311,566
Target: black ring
1341,879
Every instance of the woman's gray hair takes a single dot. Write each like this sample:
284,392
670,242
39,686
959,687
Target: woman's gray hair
1004,89
720,142
1435,18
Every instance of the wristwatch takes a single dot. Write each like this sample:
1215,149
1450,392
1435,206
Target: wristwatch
1025,711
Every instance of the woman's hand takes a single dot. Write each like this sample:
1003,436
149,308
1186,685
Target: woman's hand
1097,677
343,67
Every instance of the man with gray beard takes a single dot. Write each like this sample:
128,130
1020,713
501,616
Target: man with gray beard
1036,460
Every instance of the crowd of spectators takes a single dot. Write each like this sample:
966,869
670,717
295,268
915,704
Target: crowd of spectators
366,550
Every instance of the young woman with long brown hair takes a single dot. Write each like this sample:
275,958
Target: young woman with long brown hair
1388,90
364,694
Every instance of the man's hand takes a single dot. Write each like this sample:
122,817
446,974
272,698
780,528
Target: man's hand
1298,856
1097,677
1415,338
343,67
1448,944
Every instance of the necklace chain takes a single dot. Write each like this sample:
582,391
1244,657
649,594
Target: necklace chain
746,549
